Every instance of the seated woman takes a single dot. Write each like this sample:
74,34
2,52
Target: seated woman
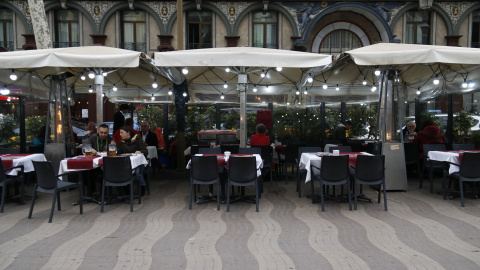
132,143
39,140
430,133
261,137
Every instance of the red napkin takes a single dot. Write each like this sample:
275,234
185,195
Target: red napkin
80,163
7,163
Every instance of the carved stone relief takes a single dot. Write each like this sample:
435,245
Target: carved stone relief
455,9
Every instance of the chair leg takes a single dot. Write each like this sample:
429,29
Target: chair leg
421,176
462,200
102,203
286,175
256,194
58,201
4,188
271,176
131,195
33,201
349,196
430,178
313,190
191,191
321,196
218,194
80,197
384,195
53,206
139,191
355,195
228,195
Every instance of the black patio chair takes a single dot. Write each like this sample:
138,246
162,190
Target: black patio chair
214,150
411,155
342,148
117,172
232,148
291,157
266,154
251,150
469,172
333,170
430,165
465,146
48,182
204,171
242,172
5,180
370,170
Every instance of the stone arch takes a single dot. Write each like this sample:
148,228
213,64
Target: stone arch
28,27
339,26
465,16
271,6
192,6
372,15
76,6
437,9
120,6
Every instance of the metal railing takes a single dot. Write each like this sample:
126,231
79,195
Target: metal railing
7,45
139,47
65,44
191,46
266,45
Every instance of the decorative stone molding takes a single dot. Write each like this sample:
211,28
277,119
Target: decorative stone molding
265,4
99,40
199,4
232,41
165,43
63,3
455,10
97,9
23,7
164,10
130,4
30,43
239,7
453,40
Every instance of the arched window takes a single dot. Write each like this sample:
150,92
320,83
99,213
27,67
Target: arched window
476,29
6,29
67,30
339,41
265,25
199,25
133,31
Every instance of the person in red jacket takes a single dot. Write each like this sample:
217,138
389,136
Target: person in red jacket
261,137
429,134
128,122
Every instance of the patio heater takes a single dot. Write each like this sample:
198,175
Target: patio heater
425,6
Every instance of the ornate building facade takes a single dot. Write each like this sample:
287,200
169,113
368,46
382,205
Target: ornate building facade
316,26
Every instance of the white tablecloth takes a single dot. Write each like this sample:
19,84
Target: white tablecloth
26,161
136,160
258,159
152,152
451,157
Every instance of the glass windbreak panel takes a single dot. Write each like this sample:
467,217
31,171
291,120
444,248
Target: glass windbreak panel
265,29
476,29
6,29
199,25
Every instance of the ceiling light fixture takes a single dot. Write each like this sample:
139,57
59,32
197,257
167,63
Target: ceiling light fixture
185,71
153,98
279,69
90,90
91,75
254,88
374,88
170,92
225,85
13,76
114,88
305,92
436,80
82,77
377,72
262,74
337,88
154,84
309,78
104,74
464,84
325,85
227,69
364,81
184,94
222,96
297,93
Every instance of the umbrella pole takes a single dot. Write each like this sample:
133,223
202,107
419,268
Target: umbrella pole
242,88
99,80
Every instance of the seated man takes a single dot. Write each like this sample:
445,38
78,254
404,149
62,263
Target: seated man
340,132
148,137
101,140
410,131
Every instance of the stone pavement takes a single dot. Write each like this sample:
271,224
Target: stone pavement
420,231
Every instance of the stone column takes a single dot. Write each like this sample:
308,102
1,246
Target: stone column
40,24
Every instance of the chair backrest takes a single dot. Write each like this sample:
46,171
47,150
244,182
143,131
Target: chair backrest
308,149
252,150
214,150
204,168
117,169
334,168
242,169
375,147
370,168
46,177
357,146
465,146
411,152
194,148
9,150
233,148
433,147
265,153
469,165
2,175
291,152
342,148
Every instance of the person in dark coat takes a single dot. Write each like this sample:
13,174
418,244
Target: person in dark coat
148,136
131,143
118,118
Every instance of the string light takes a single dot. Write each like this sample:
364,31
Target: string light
418,91
170,91
184,94
377,72
337,88
185,71
325,85
82,77
222,96
309,78
436,80
297,92
374,88
227,69
5,91
91,75
254,88
471,85
104,74
114,88
90,90
154,84
464,84
262,74
225,85
364,81
279,69
13,76
268,88
153,98
305,92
